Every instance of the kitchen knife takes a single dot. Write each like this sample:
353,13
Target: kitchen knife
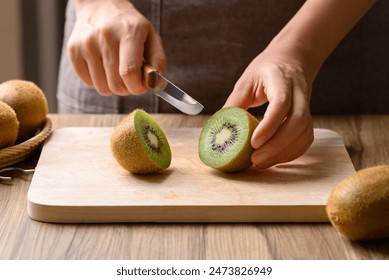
165,89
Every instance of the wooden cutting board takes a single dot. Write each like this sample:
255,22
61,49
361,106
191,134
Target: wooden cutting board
78,181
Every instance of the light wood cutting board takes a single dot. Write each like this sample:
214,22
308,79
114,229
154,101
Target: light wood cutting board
78,181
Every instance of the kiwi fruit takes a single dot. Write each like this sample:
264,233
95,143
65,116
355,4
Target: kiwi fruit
224,142
29,103
139,144
9,125
358,207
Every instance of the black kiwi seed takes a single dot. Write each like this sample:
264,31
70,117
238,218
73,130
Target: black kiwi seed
152,146
229,142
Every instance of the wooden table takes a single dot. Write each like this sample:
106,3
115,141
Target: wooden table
367,141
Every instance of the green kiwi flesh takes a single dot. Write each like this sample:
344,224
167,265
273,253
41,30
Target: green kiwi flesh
225,140
139,144
153,139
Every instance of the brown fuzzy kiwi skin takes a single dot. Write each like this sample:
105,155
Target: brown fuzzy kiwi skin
9,125
29,103
358,207
128,150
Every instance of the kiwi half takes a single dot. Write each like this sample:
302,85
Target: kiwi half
139,144
225,140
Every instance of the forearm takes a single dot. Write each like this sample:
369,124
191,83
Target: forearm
317,28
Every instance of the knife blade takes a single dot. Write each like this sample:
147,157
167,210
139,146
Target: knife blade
169,92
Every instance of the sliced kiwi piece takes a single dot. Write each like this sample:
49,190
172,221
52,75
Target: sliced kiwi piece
139,144
225,140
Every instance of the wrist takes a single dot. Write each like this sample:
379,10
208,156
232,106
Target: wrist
316,29
301,54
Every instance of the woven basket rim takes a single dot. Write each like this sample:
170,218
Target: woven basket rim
21,151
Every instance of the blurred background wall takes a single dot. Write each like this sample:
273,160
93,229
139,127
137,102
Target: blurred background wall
10,41
354,80
31,41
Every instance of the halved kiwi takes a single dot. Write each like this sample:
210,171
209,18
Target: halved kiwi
225,140
139,144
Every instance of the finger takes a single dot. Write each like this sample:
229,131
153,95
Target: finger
131,50
278,91
297,125
79,64
265,157
297,120
248,92
82,70
154,52
298,147
96,69
110,56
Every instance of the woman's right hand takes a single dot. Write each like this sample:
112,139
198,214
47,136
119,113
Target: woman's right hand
278,77
108,44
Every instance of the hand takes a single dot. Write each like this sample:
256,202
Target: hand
283,75
108,44
286,130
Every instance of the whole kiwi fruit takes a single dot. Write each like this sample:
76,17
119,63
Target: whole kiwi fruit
29,103
358,207
224,142
139,144
9,125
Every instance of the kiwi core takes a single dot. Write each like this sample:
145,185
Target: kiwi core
224,138
151,138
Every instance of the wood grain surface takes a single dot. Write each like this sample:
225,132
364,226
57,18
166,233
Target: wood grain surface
78,180
366,139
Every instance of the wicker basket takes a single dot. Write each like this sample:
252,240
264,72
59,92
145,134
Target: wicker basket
20,152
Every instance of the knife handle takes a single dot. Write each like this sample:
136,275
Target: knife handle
148,75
